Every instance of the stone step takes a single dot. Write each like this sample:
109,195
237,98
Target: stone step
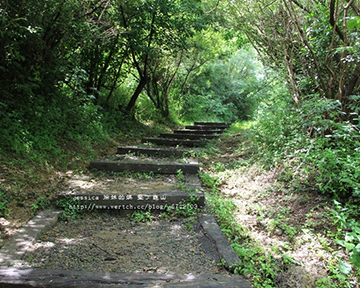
212,123
209,235
17,246
36,277
179,142
160,152
193,131
129,203
188,136
207,127
154,166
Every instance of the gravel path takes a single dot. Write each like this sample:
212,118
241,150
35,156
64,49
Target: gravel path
105,242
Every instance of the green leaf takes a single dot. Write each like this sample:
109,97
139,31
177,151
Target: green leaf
355,258
349,246
344,268
353,22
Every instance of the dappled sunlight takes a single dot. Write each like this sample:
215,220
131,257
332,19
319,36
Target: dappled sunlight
244,182
110,243
119,183
273,219
40,245
277,219
70,241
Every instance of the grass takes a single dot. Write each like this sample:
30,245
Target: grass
29,181
285,233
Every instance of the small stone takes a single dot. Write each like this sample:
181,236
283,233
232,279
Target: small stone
278,232
161,270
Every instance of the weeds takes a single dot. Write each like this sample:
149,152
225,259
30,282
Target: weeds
69,204
141,216
209,180
326,232
181,179
4,196
257,263
188,208
41,204
348,233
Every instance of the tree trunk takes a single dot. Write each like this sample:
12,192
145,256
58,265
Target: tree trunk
143,81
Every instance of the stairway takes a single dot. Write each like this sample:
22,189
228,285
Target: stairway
168,157
152,160
196,135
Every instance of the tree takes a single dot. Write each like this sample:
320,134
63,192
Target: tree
224,89
38,39
156,33
314,41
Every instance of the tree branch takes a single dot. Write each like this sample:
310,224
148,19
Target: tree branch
213,9
332,20
301,6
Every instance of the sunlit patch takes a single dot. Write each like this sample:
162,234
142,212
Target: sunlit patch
41,245
70,241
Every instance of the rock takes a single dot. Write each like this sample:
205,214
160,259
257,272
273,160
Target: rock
295,277
278,232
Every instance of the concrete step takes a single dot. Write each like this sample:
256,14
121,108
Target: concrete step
193,131
36,277
118,164
16,247
151,151
209,236
179,142
188,136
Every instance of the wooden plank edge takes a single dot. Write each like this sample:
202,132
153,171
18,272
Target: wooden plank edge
213,231
151,151
13,250
182,136
205,123
158,168
169,142
195,132
36,277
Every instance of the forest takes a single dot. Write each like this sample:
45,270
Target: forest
78,76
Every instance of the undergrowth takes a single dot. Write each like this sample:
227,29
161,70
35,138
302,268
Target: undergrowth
324,167
256,263
35,156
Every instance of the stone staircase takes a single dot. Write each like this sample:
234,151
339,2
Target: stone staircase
169,157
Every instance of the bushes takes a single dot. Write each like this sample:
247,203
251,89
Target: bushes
337,168
333,152
320,151
42,127
312,137
277,128
224,90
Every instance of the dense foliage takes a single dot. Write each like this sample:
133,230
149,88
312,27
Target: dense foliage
314,46
312,123
225,89
76,71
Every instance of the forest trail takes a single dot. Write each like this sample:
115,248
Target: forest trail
181,248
